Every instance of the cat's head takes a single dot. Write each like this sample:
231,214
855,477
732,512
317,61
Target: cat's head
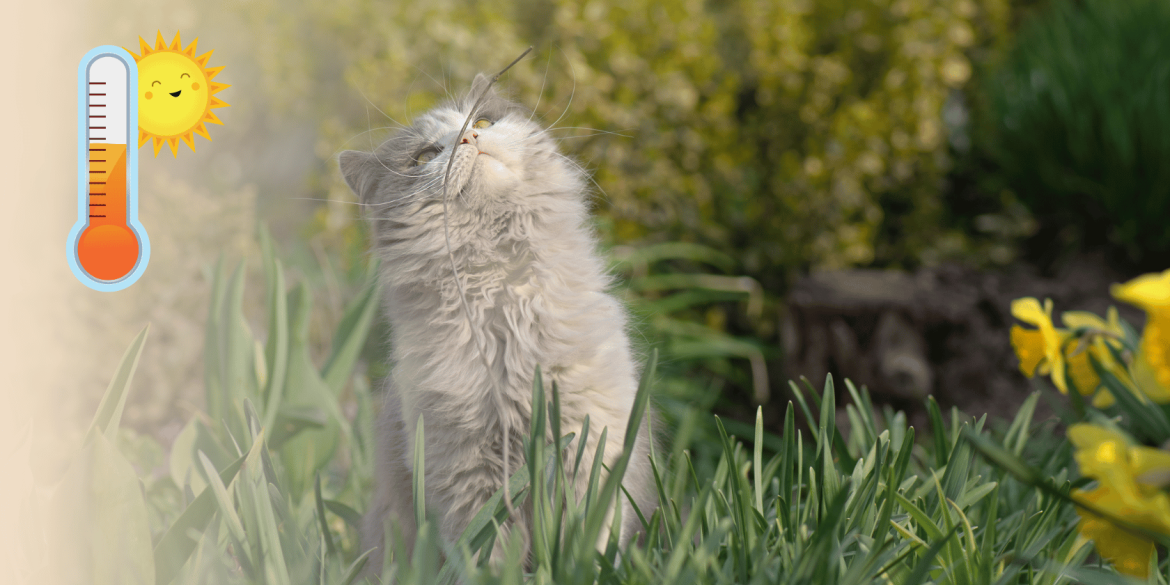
502,157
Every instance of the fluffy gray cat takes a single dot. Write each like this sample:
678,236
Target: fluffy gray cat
517,220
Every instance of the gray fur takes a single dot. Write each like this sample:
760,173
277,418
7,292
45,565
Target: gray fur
519,233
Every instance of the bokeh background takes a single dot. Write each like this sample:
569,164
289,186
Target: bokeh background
785,187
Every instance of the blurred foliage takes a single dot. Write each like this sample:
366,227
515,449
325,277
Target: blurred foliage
1078,124
786,135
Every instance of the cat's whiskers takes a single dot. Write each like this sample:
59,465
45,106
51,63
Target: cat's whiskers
595,131
572,92
403,200
442,84
375,106
543,81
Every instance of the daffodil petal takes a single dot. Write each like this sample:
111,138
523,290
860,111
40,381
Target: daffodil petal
1084,435
1129,553
1145,291
1146,379
1145,461
1077,319
1028,310
1103,399
1114,320
1084,377
1030,349
1152,368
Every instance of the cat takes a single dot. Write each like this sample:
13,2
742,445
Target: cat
517,219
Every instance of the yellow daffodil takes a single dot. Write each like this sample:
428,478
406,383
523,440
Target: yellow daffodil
1129,553
1129,479
1151,369
1038,349
1100,334
1047,350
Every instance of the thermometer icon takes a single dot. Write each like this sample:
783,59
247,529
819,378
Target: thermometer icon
108,248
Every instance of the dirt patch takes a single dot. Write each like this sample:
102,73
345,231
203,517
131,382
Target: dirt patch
941,331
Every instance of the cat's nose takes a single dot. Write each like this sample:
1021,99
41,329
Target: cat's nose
469,137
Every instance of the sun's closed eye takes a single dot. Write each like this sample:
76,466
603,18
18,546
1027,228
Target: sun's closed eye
482,123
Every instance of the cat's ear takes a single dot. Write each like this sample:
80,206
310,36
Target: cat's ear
481,81
362,172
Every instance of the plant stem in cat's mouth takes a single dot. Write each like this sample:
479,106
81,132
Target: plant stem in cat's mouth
504,430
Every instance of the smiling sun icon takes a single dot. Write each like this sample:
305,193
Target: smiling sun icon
175,94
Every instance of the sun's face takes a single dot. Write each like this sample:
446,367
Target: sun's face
175,98
175,94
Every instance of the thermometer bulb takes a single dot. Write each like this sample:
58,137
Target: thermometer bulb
107,249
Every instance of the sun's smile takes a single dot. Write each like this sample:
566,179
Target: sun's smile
176,72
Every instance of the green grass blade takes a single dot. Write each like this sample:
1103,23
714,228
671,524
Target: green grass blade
273,553
938,431
215,393
420,497
637,412
226,510
109,411
920,517
176,545
350,337
351,516
758,460
926,562
330,549
277,348
355,568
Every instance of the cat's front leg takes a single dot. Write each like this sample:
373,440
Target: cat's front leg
460,482
392,505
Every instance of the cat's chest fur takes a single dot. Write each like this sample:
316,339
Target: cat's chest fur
531,301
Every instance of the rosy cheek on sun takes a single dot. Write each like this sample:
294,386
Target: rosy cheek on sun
194,86
149,95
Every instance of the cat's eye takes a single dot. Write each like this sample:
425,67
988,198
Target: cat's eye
482,123
426,156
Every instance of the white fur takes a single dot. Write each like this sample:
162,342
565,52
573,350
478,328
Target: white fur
519,233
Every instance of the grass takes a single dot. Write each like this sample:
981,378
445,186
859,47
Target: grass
266,486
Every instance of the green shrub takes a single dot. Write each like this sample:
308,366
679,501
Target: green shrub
783,133
1079,122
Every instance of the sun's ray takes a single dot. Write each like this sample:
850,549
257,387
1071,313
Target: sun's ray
176,93
202,59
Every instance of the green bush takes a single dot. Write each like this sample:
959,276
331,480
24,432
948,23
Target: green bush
1079,122
786,133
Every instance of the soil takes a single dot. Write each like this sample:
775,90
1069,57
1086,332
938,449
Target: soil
942,331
